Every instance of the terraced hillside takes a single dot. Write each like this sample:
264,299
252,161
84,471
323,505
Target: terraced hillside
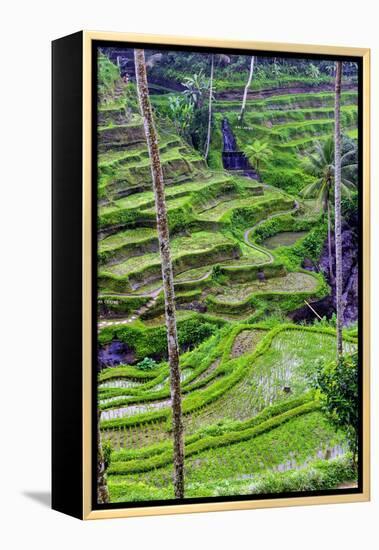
292,123
244,366
212,215
248,395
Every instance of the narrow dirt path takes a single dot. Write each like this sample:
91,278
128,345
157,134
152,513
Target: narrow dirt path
251,229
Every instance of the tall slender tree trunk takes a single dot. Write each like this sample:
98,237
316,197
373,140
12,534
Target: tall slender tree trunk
247,88
209,110
102,487
167,273
337,205
330,257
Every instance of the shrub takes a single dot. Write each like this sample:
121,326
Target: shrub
315,477
147,364
107,453
108,76
192,333
338,385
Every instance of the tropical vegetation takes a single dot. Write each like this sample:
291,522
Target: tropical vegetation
228,196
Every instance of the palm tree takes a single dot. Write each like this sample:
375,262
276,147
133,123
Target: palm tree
195,87
337,204
258,152
248,83
167,273
275,69
313,71
330,68
102,487
320,164
224,59
181,113
207,143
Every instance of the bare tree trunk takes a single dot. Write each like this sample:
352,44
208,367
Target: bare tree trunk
209,109
102,487
247,89
330,244
337,205
167,273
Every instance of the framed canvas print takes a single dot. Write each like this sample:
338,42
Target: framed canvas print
210,275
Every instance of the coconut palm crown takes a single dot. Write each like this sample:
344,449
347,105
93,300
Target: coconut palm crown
258,152
320,164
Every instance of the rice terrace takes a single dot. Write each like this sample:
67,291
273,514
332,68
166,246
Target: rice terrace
266,313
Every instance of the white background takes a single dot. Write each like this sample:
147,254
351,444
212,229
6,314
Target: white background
26,31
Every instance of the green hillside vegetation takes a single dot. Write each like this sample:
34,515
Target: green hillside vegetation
253,422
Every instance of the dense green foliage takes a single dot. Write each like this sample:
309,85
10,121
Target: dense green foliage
265,408
338,384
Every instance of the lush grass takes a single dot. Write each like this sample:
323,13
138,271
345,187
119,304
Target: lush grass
248,409
195,244
300,438
297,101
226,376
285,362
223,211
292,282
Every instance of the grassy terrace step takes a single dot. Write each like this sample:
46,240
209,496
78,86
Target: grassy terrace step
138,159
113,115
235,371
195,243
121,137
145,199
349,112
132,119
304,143
187,252
296,130
201,371
176,165
124,244
288,139
182,210
280,359
128,236
291,101
178,208
315,475
120,305
161,455
243,297
114,158
216,432
222,210
277,85
181,298
244,272
195,380
126,372
253,467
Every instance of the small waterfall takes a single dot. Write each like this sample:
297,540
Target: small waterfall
230,144
232,158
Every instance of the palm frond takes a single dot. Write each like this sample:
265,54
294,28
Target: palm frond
312,189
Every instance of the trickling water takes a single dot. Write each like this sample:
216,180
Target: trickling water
230,144
232,158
